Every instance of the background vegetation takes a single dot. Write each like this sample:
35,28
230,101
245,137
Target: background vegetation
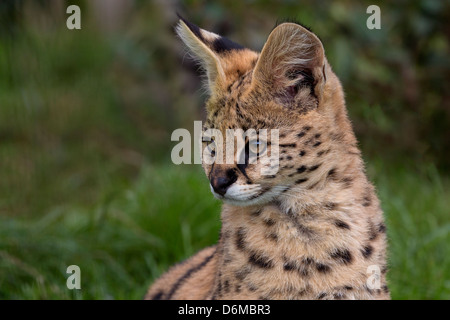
86,117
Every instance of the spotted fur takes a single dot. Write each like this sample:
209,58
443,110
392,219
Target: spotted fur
310,231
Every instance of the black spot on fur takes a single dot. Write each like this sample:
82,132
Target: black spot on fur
367,201
382,227
252,287
306,128
322,268
373,234
289,266
332,174
367,251
314,167
303,271
299,181
241,274
272,236
342,255
384,269
302,153
240,239
347,182
331,205
288,145
301,169
301,134
318,143
320,153
226,286
349,288
260,260
341,224
322,295
269,222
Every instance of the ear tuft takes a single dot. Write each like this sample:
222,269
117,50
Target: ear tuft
194,29
196,41
208,48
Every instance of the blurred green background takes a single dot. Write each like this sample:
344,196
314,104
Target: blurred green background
86,117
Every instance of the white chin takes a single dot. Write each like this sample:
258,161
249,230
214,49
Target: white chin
247,195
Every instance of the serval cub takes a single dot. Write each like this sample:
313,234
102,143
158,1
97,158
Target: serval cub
312,230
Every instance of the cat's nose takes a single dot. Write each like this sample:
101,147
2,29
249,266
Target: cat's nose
222,180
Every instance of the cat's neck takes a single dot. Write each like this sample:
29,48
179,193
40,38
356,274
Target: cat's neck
300,230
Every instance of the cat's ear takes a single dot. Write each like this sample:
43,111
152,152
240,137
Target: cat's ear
292,54
207,48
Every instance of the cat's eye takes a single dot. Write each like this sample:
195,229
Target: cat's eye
257,147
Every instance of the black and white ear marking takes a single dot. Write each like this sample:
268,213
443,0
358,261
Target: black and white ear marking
208,49
218,44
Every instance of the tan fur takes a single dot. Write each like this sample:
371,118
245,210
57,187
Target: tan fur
316,227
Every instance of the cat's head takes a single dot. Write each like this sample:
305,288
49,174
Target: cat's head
288,89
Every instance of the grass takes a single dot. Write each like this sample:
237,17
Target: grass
135,234
120,245
416,205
